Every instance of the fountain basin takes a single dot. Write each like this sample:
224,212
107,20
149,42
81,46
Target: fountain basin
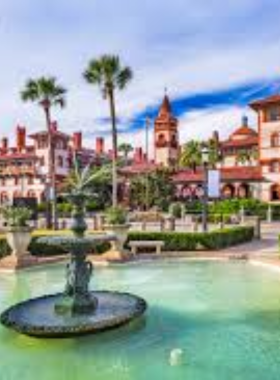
36,317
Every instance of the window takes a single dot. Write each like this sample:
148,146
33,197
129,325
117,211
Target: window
273,113
275,167
274,140
60,161
30,180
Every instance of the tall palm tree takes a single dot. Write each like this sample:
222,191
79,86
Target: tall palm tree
125,148
191,155
215,155
109,75
45,92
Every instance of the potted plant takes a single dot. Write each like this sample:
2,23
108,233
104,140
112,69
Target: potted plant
116,223
18,232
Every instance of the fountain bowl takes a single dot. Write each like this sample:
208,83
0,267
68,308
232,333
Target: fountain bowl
36,317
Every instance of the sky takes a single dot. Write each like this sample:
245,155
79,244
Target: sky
212,56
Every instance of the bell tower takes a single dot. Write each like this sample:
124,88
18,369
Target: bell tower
166,135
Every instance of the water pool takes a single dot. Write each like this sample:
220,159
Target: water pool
224,316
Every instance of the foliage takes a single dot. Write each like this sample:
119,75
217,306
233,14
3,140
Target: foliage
152,190
191,155
44,250
125,148
116,216
16,216
177,210
191,241
109,75
45,91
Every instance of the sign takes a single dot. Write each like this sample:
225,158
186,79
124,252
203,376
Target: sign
213,185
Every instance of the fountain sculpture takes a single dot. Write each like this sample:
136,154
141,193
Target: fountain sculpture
78,310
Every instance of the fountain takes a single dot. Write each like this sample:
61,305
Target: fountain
77,310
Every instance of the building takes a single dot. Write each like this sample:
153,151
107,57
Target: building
250,165
24,167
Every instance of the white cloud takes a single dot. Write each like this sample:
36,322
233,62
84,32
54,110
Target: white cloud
189,47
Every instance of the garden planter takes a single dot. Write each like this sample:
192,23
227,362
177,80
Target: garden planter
120,231
18,239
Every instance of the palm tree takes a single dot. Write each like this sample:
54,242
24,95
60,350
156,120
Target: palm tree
109,75
191,155
243,157
125,149
215,155
47,94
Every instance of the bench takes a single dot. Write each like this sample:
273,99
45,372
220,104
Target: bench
157,244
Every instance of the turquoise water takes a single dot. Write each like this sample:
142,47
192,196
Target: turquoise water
224,316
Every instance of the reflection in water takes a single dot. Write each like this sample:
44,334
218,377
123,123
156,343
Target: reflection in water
225,317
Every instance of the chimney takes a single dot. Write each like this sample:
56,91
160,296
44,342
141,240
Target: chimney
21,138
54,126
77,140
244,121
4,144
99,145
138,155
216,136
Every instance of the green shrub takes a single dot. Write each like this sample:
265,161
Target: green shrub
43,250
177,210
116,215
191,241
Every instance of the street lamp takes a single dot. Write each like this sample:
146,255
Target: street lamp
205,162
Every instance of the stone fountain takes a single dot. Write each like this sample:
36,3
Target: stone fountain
77,310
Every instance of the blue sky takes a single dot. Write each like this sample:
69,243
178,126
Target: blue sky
212,56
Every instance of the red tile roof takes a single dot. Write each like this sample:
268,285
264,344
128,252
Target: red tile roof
43,133
227,174
244,131
139,168
266,101
249,141
15,156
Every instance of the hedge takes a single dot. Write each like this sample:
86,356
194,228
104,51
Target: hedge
191,241
44,250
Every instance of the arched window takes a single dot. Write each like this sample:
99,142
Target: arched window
161,140
274,139
30,180
31,194
275,166
4,197
60,161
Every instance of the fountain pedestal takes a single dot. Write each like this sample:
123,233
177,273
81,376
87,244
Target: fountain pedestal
77,310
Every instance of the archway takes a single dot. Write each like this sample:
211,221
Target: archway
244,190
4,197
275,192
228,191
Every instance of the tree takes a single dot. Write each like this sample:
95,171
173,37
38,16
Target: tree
125,148
245,156
94,179
45,92
214,152
109,75
154,189
191,155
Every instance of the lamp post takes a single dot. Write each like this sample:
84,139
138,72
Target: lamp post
205,161
147,126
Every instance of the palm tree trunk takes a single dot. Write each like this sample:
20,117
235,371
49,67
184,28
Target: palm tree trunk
115,149
51,209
